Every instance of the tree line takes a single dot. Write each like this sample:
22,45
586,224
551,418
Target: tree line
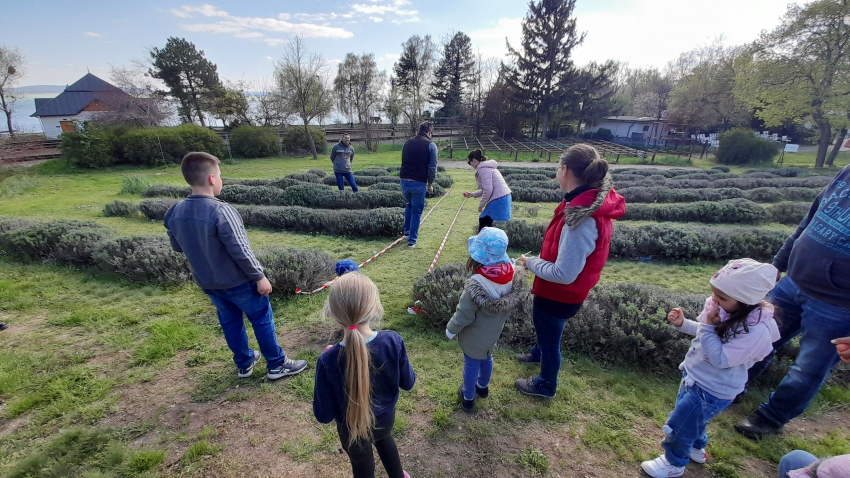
798,74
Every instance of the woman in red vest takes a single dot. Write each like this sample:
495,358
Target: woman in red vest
575,248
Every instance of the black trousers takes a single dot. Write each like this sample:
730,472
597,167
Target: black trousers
485,221
360,453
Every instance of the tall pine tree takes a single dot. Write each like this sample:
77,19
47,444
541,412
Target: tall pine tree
191,78
542,71
594,93
453,74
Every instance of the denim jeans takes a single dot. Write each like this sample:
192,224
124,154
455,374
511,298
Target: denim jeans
476,371
549,326
232,304
685,427
348,177
414,198
794,461
819,323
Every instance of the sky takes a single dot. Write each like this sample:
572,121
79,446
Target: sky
61,40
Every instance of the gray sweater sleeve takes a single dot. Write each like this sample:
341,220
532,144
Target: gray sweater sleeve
574,248
231,231
432,163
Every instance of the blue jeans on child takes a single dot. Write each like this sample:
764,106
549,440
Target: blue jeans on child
476,371
549,319
794,461
232,304
348,177
414,198
685,427
817,323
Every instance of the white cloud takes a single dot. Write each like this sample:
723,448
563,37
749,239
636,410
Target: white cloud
490,42
92,34
207,10
251,28
268,58
407,20
394,8
376,19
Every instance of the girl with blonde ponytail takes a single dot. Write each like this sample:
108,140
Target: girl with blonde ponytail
358,379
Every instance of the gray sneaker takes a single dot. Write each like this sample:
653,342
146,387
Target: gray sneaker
287,368
246,372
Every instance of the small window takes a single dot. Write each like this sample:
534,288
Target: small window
646,128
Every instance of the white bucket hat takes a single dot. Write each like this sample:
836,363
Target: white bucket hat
745,280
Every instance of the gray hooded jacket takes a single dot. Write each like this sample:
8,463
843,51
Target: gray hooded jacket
483,311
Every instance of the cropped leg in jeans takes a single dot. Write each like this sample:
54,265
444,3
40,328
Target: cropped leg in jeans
347,177
795,460
549,327
414,198
231,305
360,453
476,371
685,427
818,323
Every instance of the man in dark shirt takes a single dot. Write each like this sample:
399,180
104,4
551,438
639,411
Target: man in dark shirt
418,170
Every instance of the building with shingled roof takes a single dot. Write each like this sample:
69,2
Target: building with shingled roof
84,100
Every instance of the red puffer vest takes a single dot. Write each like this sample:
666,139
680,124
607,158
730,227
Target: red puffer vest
613,207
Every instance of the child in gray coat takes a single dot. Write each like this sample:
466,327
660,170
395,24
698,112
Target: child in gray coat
488,298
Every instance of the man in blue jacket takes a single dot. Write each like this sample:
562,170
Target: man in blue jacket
342,155
812,301
418,170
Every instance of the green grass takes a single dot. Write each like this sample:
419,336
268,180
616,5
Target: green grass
78,340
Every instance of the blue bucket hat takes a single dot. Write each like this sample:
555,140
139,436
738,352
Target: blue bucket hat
346,265
489,246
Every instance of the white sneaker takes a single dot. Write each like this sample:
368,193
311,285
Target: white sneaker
247,372
698,455
661,468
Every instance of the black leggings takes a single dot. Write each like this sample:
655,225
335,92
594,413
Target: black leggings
485,221
360,453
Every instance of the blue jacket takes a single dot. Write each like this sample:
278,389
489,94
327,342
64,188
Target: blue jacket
211,234
817,255
390,371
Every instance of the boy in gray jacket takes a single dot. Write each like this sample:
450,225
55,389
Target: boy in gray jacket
342,155
488,298
211,234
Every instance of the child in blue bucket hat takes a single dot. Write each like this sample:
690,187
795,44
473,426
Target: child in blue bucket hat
489,296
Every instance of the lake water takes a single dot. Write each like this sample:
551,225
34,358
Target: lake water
21,120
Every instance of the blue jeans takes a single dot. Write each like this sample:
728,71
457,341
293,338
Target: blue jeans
794,461
232,304
685,427
819,323
549,326
414,198
476,371
348,177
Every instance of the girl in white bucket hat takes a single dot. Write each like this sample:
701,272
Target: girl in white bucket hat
735,330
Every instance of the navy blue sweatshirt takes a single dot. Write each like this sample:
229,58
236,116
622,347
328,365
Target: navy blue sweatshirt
817,255
391,370
211,234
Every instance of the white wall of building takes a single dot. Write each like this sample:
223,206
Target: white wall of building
52,128
624,129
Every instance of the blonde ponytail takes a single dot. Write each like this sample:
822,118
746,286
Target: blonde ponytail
354,300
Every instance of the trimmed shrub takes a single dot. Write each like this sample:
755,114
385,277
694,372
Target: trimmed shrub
289,269
155,209
603,134
790,213
723,169
372,172
327,198
167,145
8,224
147,259
728,211
440,169
318,172
89,146
438,190
167,190
444,181
260,195
197,138
249,141
511,178
308,178
295,139
383,222
364,181
666,241
59,241
120,209
536,195
740,146
797,194
765,195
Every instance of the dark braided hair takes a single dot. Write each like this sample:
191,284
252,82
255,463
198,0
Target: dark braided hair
738,320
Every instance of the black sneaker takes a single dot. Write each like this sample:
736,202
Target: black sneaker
482,392
526,358
3,326
757,427
246,372
464,403
287,368
527,387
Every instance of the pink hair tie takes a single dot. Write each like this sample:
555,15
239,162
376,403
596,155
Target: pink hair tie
353,327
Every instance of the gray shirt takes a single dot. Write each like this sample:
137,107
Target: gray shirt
574,248
342,156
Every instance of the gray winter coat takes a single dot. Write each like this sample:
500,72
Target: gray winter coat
481,316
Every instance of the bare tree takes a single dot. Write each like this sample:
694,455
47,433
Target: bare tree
359,88
146,105
413,75
484,75
268,107
301,78
11,71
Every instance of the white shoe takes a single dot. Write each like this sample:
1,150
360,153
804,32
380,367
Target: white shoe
661,468
247,372
698,455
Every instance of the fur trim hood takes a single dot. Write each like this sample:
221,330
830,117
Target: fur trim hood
510,301
607,204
